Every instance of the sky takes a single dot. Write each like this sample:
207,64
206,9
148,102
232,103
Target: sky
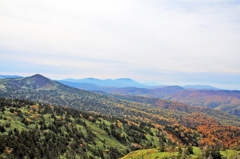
173,42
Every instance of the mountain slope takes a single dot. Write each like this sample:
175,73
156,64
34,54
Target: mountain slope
174,121
223,117
43,131
36,82
52,92
156,92
29,129
225,100
218,99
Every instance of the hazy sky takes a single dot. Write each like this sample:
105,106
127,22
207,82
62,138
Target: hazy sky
166,41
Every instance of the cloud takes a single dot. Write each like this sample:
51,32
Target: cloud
126,36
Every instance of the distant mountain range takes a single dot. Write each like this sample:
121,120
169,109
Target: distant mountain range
121,82
9,76
97,84
94,84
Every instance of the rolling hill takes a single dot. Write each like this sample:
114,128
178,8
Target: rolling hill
223,117
225,100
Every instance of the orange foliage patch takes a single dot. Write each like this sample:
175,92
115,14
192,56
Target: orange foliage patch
28,120
136,145
9,118
34,108
91,118
27,112
35,116
229,135
8,151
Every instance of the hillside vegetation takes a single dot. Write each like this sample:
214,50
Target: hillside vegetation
225,100
40,89
223,117
180,122
29,129
44,131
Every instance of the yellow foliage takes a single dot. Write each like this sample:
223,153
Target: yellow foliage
28,120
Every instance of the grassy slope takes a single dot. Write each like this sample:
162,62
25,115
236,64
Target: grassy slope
154,153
